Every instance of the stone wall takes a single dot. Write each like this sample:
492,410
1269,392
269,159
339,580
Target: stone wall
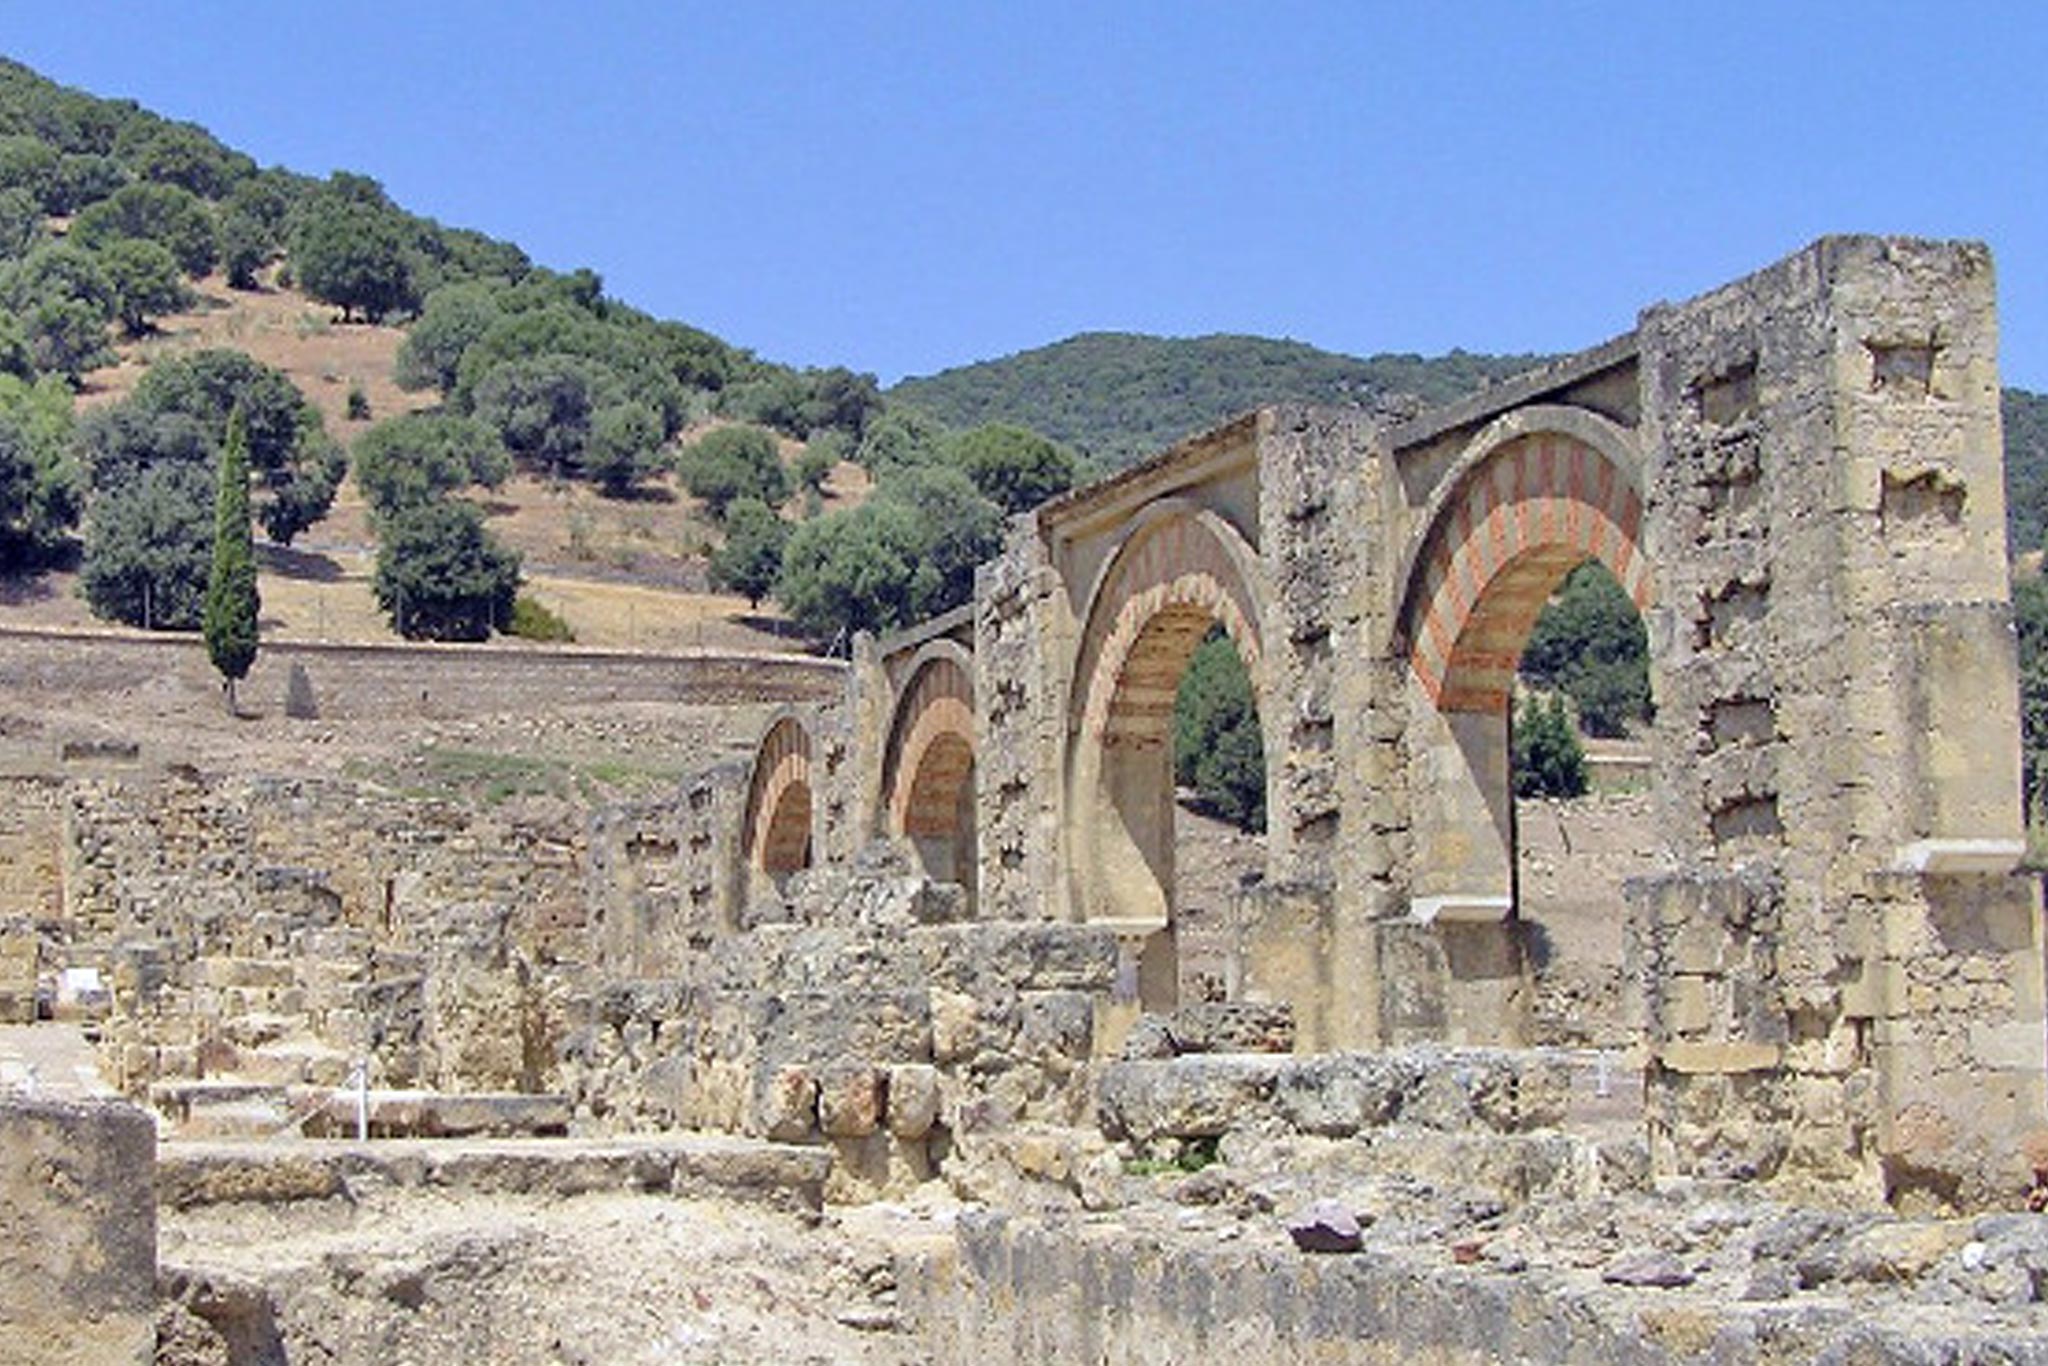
373,682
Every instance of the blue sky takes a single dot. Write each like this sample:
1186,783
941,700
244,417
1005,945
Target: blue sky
905,187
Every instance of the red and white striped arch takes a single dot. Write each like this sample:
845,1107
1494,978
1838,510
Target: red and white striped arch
1517,518
929,764
778,828
1170,579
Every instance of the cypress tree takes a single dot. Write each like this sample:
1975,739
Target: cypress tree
229,616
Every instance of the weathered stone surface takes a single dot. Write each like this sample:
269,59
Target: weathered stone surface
1647,1267
77,1201
913,1100
850,1100
1192,1097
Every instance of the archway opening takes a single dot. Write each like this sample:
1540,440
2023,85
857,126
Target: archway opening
1501,544
1145,840
1583,822
928,794
777,840
1219,772
786,840
937,812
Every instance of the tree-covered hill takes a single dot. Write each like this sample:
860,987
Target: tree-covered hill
2026,470
1119,396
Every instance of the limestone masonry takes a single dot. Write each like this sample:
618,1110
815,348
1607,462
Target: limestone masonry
930,924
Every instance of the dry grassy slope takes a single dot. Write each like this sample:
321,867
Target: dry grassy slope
625,574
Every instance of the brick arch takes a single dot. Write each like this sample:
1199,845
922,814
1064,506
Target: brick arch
1535,496
778,821
928,767
1178,570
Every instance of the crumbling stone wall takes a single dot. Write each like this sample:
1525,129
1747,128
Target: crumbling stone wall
374,682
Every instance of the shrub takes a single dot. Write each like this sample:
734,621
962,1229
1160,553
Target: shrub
1548,759
531,620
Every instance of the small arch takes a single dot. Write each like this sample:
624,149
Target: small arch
779,804
928,765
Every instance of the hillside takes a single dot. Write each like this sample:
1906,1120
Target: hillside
2026,471
1119,396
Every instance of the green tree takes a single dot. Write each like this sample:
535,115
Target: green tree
624,446
145,280
820,454
40,482
64,299
751,557
228,618
297,464
1548,759
851,571
184,155
906,554
441,575
66,337
244,248
958,529
172,217
1218,750
352,249
15,358
898,439
455,318
21,223
542,409
727,463
83,178
252,224
406,461
1589,644
2030,618
146,548
30,165
1014,468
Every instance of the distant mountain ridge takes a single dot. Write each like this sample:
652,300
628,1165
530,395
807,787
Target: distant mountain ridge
1119,396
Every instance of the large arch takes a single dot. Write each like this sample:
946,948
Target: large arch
1535,493
779,802
1178,570
928,764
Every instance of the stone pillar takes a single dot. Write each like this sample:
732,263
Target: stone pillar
1837,708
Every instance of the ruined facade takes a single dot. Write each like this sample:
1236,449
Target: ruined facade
1835,970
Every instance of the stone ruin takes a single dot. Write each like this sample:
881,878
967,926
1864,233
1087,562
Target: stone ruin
930,925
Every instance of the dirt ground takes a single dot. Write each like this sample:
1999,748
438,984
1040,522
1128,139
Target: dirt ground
414,1276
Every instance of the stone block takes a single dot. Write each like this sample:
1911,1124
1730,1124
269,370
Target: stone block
1339,1094
2009,1046
913,1106
850,1100
789,1105
1719,1058
1688,1005
1193,1097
